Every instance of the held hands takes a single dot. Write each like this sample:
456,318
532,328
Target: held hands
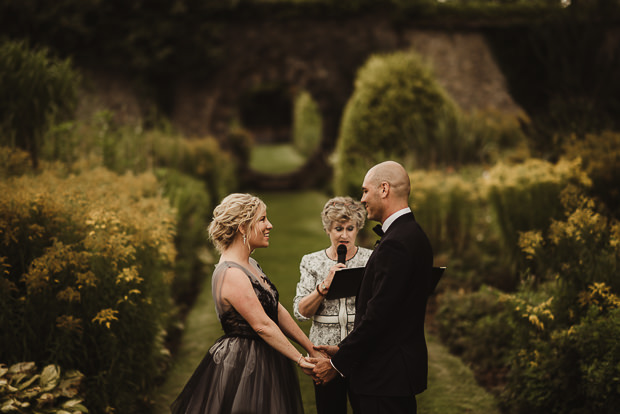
306,365
327,350
323,371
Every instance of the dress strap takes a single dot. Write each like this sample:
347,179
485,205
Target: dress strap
247,271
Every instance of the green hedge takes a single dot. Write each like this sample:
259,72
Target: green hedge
191,202
556,338
453,209
35,90
474,326
393,113
86,266
101,140
600,156
525,196
448,206
308,125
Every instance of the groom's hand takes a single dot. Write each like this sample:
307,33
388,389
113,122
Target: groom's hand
323,371
327,350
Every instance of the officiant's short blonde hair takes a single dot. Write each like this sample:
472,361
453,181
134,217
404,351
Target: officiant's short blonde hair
340,209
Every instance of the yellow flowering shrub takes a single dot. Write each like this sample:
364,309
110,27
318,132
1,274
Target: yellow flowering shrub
85,266
560,330
13,162
535,315
575,332
576,253
526,196
573,369
600,156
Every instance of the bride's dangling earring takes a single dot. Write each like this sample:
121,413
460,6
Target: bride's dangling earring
244,239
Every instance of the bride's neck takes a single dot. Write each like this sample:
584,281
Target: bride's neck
236,252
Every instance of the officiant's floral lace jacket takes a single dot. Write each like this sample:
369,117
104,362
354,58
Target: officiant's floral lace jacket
339,313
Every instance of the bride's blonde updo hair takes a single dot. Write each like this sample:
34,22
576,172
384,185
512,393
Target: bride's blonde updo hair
234,212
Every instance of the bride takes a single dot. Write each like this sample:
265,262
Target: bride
249,369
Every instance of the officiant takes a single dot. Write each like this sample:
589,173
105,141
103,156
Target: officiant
332,319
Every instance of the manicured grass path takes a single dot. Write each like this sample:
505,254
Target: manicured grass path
297,231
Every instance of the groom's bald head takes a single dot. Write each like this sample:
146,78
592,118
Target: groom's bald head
394,174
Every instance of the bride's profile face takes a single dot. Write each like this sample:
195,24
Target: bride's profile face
259,235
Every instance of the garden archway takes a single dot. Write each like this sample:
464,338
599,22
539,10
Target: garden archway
322,58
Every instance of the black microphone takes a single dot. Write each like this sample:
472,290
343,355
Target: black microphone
342,253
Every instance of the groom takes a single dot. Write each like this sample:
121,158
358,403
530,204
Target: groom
385,356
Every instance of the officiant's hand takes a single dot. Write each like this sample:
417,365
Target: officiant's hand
323,287
327,350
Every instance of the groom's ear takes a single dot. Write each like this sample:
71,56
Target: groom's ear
384,189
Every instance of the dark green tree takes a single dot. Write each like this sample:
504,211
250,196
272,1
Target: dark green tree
395,112
35,90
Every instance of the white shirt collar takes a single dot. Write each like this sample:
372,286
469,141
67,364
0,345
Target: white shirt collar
388,222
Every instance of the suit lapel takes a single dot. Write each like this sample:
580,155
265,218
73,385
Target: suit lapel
365,292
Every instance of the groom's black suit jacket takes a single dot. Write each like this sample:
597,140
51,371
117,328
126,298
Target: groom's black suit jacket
385,354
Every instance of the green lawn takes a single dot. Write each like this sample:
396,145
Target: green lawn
297,231
275,158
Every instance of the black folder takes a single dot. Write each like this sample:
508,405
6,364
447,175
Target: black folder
346,282
436,274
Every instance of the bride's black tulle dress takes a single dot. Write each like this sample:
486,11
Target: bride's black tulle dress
241,373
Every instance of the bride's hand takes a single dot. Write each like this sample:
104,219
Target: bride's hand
306,366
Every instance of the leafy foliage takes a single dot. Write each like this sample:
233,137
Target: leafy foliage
525,196
121,148
563,73
192,204
307,123
473,326
447,205
34,89
393,114
85,279
398,111
600,156
561,328
583,249
23,389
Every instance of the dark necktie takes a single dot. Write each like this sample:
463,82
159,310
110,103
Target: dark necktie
379,230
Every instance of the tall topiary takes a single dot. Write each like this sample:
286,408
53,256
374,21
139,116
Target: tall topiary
34,88
394,113
308,125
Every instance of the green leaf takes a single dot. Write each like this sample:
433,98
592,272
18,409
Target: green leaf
49,377
69,385
27,383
